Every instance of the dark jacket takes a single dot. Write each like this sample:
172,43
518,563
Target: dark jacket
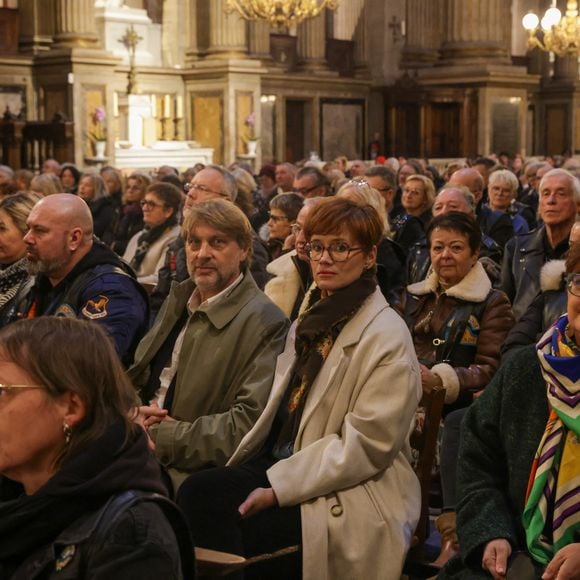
154,552
103,212
499,437
461,347
102,288
127,221
496,224
545,309
419,260
523,259
408,230
390,266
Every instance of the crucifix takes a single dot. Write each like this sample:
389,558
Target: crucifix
130,41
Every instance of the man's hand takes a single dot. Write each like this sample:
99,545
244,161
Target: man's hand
260,499
151,414
495,558
565,565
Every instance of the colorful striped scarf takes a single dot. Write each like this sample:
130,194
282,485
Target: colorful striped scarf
552,513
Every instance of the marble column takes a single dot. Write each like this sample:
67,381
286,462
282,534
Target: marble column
75,23
312,42
192,51
36,25
361,39
423,38
476,32
260,39
227,34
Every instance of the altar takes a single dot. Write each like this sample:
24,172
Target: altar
178,154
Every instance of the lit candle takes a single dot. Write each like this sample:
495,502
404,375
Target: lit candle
179,107
153,106
167,107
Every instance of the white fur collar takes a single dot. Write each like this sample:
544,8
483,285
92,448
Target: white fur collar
551,275
474,287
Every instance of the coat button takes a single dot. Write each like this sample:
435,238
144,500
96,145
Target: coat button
336,510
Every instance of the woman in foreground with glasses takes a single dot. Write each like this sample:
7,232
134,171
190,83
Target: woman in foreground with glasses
327,465
146,249
518,480
81,495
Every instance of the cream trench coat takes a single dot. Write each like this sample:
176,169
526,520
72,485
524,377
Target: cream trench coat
360,498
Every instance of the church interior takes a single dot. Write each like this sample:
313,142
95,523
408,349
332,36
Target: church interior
133,82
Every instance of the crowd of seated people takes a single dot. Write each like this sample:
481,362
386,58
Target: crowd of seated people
278,331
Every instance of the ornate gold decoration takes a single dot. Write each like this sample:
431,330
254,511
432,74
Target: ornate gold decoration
555,33
280,13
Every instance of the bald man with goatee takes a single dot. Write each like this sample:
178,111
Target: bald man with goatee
76,275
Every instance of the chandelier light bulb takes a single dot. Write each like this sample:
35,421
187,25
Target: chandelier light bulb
530,21
551,18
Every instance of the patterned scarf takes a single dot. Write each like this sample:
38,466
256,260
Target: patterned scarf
148,238
552,513
10,280
316,332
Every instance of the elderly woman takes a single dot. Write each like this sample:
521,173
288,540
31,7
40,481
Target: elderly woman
458,323
503,191
93,190
81,495
390,256
146,249
519,468
14,277
283,211
327,463
130,219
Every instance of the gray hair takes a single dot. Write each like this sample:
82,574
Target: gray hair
388,176
98,183
230,185
504,176
8,171
468,197
574,182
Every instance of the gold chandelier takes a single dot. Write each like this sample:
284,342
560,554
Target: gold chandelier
561,35
280,13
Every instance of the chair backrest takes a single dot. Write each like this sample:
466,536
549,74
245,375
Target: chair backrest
424,445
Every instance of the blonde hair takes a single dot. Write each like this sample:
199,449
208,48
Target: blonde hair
429,188
46,184
362,193
19,206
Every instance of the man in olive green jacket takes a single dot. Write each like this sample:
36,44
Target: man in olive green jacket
206,367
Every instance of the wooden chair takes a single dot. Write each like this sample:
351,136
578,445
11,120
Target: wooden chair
424,445
214,564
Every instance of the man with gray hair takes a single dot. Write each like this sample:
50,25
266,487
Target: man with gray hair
559,204
78,276
206,367
451,198
212,182
6,174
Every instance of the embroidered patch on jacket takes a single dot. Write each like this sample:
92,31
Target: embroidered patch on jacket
471,334
66,557
94,309
66,311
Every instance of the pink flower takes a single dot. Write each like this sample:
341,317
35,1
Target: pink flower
251,120
99,115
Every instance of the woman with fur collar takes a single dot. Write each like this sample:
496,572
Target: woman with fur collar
458,323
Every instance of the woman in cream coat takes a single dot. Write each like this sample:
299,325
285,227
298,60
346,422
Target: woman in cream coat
344,472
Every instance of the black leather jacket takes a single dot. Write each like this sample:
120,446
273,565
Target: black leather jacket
523,259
